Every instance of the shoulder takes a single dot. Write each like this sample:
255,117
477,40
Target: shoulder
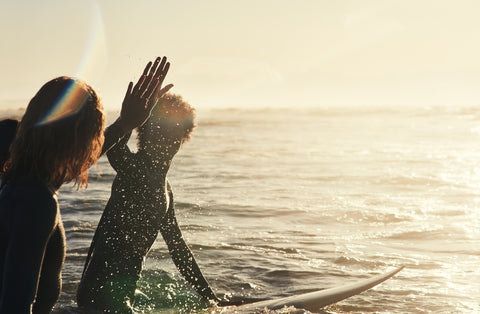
36,199
30,210
36,190
121,158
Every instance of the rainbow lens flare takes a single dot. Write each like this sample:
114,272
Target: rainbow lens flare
92,64
68,103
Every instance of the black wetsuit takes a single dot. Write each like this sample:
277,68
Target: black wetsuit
32,242
31,234
141,205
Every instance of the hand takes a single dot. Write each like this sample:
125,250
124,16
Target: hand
230,300
141,98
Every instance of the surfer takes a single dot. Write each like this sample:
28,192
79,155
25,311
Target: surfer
141,204
52,147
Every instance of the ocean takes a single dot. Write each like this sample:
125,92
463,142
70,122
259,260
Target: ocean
275,202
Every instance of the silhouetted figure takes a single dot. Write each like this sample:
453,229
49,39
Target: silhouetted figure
141,204
59,137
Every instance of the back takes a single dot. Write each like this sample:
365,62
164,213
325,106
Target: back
29,216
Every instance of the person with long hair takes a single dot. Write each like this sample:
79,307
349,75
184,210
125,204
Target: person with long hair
58,139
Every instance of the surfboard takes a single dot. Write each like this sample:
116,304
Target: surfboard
313,301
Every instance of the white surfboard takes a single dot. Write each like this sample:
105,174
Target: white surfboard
313,301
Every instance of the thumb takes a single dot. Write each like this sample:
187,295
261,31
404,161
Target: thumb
164,90
159,94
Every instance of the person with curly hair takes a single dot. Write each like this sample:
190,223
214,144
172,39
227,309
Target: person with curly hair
141,204
58,138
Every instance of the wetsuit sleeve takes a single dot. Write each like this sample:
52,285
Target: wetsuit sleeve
182,255
113,134
50,283
120,156
31,230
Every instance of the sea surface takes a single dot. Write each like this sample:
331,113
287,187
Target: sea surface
275,202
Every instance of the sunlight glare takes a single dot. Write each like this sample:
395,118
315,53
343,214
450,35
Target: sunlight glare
92,64
95,58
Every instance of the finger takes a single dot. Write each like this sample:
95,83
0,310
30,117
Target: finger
160,92
164,90
155,64
160,69
137,88
152,98
160,76
140,86
164,72
153,69
149,64
129,89
150,80
152,88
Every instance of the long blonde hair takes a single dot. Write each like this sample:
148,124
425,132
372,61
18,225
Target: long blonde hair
60,135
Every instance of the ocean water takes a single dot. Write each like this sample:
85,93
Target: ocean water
275,202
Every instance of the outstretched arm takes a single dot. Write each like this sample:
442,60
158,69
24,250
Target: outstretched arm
139,102
120,155
182,255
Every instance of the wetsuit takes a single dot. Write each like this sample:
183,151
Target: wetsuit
141,205
31,233
32,242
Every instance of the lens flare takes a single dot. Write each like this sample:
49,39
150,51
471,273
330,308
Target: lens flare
94,59
91,65
68,103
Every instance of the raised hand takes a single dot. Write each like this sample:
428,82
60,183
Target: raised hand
141,98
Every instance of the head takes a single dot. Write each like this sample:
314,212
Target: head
60,135
8,129
170,125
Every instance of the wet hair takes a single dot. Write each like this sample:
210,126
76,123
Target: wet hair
172,118
8,129
60,135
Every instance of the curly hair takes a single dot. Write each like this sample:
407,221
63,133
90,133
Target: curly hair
60,135
173,117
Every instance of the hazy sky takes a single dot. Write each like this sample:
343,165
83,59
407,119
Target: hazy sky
249,52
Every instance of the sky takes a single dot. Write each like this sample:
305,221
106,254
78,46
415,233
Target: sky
249,53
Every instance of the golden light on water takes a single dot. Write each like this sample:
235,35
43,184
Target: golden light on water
397,181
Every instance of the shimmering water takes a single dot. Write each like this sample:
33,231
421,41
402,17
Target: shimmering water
277,202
